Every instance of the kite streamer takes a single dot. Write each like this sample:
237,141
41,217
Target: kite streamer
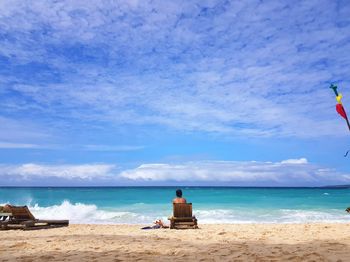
340,108
341,111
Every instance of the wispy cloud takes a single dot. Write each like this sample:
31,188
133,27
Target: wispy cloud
116,148
21,130
6,145
239,68
112,148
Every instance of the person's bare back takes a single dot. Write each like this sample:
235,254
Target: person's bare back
179,199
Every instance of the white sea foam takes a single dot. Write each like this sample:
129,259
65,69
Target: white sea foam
271,216
91,214
86,214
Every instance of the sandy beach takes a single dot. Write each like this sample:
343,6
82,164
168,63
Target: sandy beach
247,242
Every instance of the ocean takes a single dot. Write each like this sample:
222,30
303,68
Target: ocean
143,205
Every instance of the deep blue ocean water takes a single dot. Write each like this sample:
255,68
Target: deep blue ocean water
142,205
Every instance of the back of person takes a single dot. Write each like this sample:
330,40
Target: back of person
179,199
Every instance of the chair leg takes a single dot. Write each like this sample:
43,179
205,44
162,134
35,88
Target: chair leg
195,223
3,225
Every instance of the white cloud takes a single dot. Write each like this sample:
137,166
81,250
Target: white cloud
70,172
288,173
295,161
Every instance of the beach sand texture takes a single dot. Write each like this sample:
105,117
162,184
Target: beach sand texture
246,242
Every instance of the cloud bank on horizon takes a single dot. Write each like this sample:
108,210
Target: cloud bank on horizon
137,82
290,172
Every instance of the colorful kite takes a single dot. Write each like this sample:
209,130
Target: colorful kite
339,107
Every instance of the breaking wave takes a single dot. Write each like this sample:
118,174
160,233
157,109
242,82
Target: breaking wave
272,216
79,213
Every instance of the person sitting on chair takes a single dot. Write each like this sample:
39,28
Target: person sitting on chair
179,199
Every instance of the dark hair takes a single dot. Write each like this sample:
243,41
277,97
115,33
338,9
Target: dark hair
179,193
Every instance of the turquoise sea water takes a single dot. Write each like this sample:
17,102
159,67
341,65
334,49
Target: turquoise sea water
142,205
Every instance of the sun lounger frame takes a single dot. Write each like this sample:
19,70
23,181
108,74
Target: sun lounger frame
21,218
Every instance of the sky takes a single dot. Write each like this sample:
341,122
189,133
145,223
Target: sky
232,93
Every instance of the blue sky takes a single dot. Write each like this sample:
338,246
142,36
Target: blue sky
173,92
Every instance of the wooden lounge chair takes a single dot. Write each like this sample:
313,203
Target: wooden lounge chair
182,217
22,218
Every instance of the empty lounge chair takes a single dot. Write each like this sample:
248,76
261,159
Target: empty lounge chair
21,217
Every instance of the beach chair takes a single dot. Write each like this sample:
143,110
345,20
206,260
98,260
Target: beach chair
182,217
22,218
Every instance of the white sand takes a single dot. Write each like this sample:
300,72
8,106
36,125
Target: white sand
257,242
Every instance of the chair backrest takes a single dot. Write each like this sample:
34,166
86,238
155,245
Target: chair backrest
182,209
21,213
